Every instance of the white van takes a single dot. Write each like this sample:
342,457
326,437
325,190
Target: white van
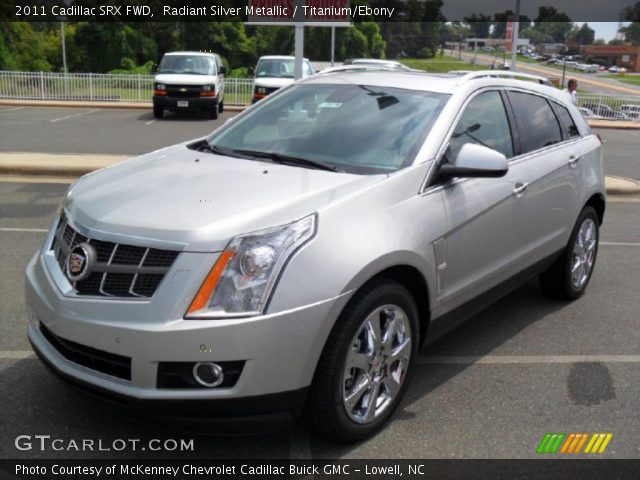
189,80
274,72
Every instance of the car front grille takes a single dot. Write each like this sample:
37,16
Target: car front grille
183,91
120,271
109,363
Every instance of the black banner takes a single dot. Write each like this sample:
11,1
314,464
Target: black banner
583,469
324,10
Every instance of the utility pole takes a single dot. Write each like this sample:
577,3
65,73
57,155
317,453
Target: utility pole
333,45
514,38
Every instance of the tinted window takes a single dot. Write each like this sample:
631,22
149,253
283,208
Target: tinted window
567,124
483,122
539,126
188,64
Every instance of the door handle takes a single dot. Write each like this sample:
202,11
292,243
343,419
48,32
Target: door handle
573,161
519,189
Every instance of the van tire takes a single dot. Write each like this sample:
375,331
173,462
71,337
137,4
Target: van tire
213,113
158,111
221,107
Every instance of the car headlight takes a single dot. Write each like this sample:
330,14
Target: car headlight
160,86
208,88
241,281
261,90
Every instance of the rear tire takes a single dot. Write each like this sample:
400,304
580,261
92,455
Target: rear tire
158,111
568,277
359,380
213,114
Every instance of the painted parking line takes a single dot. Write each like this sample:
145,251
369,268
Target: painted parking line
74,115
150,122
15,354
620,244
526,359
11,109
31,230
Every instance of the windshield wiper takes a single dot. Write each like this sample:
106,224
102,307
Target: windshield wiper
289,160
205,146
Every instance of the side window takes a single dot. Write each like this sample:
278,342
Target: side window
569,129
538,124
483,122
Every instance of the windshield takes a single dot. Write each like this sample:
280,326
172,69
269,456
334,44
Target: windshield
189,64
356,128
275,67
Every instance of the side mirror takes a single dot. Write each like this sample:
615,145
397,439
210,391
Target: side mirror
476,161
222,70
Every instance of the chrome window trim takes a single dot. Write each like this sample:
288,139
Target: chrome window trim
424,188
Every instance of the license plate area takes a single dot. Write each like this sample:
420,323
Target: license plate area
183,103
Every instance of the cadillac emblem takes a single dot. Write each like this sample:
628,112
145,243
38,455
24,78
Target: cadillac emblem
80,261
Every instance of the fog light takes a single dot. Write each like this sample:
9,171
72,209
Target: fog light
208,374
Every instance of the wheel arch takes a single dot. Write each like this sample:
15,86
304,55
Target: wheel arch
598,203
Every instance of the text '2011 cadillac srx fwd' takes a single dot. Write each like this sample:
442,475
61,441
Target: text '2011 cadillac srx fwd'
304,251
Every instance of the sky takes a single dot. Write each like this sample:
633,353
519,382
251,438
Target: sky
605,30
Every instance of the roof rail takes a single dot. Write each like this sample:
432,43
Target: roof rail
502,73
362,68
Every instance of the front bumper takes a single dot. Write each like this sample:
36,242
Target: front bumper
280,351
196,103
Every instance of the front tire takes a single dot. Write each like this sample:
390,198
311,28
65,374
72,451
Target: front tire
361,376
568,277
221,107
213,113
158,111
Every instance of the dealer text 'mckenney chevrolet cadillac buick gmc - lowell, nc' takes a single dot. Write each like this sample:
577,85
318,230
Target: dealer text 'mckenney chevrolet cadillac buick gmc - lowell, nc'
304,251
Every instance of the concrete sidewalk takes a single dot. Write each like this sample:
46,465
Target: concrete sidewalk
75,165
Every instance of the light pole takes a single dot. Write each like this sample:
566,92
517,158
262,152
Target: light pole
514,37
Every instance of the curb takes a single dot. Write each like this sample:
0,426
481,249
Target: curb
76,165
613,124
621,186
80,104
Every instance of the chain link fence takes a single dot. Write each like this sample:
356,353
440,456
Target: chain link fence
99,87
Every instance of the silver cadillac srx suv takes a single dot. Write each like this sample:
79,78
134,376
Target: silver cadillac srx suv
303,252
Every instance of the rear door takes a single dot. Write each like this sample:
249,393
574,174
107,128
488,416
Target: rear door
550,150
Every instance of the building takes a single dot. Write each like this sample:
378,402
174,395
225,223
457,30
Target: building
523,43
626,56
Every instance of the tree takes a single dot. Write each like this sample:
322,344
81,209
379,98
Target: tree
581,36
551,22
632,31
479,24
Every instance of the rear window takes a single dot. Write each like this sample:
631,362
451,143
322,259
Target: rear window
569,129
538,124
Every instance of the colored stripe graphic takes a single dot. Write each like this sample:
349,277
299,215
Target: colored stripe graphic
550,443
573,443
598,443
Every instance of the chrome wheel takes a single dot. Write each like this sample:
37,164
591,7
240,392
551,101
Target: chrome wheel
376,363
584,253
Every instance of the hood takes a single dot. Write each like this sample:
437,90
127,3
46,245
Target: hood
273,82
183,199
184,79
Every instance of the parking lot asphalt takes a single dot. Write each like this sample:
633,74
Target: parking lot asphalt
490,389
134,132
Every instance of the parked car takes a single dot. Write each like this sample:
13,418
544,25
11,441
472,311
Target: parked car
304,251
189,81
274,72
632,111
586,113
614,69
605,111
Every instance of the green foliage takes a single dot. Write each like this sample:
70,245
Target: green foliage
22,48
